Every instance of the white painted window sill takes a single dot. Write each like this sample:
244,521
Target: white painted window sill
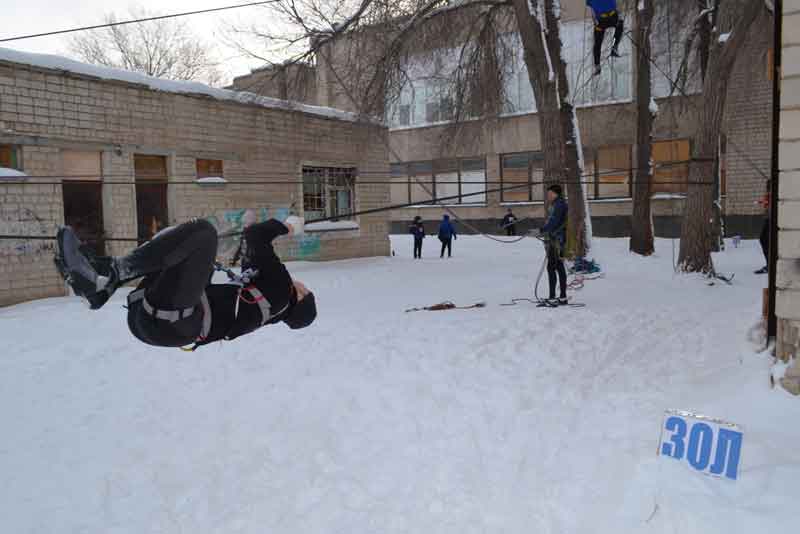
331,226
211,180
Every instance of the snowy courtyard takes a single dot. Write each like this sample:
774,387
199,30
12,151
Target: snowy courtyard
514,420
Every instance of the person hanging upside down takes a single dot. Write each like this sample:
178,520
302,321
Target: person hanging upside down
175,303
605,16
555,235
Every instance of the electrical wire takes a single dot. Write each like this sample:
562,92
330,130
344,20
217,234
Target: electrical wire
134,21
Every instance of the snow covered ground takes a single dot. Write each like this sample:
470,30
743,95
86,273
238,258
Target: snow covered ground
494,420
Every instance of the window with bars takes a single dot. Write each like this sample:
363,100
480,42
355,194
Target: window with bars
452,181
517,170
328,192
209,168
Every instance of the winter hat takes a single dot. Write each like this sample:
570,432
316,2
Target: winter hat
555,188
302,313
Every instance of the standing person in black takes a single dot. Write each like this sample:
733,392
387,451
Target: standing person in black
175,304
418,231
447,233
509,223
763,239
555,234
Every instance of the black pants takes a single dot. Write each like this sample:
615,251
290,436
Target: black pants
600,28
418,248
511,230
555,265
177,266
447,244
764,239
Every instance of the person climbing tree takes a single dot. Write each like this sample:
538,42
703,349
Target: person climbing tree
418,231
605,16
446,235
175,304
554,232
510,223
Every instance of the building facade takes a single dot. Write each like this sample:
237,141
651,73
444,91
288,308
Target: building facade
472,166
788,271
120,156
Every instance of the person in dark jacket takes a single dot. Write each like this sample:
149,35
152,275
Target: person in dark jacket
446,235
763,239
175,303
509,223
418,231
605,16
555,234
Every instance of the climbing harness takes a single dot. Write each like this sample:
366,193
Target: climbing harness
447,305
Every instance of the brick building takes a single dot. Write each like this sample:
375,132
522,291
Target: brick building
506,151
121,155
788,271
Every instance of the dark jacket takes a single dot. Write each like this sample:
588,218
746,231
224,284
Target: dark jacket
417,230
508,220
555,227
602,6
273,281
446,229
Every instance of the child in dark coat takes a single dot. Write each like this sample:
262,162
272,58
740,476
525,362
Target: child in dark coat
446,235
418,231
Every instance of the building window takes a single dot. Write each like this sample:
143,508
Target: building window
9,157
328,192
209,168
671,161
521,177
452,181
613,172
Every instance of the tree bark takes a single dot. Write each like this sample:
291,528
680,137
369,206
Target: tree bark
697,239
556,116
642,218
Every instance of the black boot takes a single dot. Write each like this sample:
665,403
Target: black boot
92,277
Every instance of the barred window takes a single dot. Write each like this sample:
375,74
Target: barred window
328,192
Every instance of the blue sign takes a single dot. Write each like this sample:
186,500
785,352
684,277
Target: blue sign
710,446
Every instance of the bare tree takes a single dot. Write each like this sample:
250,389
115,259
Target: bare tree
162,48
642,241
365,53
718,58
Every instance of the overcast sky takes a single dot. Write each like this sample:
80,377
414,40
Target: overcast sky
36,16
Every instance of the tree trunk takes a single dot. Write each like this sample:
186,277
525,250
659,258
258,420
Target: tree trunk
697,240
642,217
547,74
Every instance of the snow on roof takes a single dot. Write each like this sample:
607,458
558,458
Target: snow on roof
60,63
10,173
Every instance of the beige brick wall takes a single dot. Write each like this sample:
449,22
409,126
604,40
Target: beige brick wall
44,112
788,272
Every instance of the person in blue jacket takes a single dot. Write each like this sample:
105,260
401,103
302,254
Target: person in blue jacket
554,232
605,16
446,235
418,231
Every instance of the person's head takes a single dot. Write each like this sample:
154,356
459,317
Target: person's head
417,219
509,211
303,306
249,218
446,217
553,192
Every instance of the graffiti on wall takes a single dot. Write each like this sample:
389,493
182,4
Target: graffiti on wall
306,247
24,221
